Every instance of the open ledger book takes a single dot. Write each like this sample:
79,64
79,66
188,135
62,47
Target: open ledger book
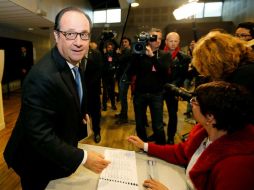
121,173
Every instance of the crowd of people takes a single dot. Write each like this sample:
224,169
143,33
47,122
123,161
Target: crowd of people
61,96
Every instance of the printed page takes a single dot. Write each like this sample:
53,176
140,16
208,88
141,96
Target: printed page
121,173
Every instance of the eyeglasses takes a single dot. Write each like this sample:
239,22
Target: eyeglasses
242,35
73,35
194,101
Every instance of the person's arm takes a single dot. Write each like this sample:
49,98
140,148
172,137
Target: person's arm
178,154
152,184
95,161
136,141
165,152
148,183
47,123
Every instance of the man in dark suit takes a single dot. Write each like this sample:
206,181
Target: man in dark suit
52,119
93,84
26,63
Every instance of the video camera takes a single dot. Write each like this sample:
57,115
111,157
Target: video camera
180,92
107,35
139,47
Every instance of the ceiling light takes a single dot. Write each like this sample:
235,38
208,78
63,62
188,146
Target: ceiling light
41,12
186,10
135,4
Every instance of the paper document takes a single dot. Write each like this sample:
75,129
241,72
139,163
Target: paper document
121,173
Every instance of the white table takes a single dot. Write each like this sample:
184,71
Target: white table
83,179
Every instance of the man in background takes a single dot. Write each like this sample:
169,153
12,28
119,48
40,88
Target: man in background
124,61
93,69
178,73
108,76
245,31
25,64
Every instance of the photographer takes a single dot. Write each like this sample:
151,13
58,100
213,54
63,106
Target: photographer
151,71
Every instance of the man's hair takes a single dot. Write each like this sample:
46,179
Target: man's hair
155,30
126,38
231,105
217,55
67,9
247,25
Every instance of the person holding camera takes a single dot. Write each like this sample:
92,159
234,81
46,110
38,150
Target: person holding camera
150,71
178,73
219,153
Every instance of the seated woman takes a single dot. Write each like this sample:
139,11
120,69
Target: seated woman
219,153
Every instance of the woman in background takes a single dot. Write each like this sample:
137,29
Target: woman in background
225,57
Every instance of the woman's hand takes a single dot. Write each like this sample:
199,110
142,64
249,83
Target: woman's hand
136,141
151,184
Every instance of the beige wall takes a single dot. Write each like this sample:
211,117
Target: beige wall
2,123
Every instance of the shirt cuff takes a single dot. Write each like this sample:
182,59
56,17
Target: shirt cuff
146,147
85,157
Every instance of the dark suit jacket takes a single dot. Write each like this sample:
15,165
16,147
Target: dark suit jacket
44,140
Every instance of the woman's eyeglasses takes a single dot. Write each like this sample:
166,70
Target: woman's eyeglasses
194,101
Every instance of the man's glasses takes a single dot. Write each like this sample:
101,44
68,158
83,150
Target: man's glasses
194,101
242,35
73,35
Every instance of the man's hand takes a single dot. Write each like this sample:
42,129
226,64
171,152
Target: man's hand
96,162
136,141
149,51
151,184
86,119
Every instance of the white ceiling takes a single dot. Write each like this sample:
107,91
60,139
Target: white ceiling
17,17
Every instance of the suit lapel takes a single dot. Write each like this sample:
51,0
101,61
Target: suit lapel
66,75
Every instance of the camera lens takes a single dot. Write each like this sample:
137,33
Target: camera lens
139,47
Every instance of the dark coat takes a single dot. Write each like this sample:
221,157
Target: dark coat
44,140
243,75
151,72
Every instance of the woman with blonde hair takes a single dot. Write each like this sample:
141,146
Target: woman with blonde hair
225,57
